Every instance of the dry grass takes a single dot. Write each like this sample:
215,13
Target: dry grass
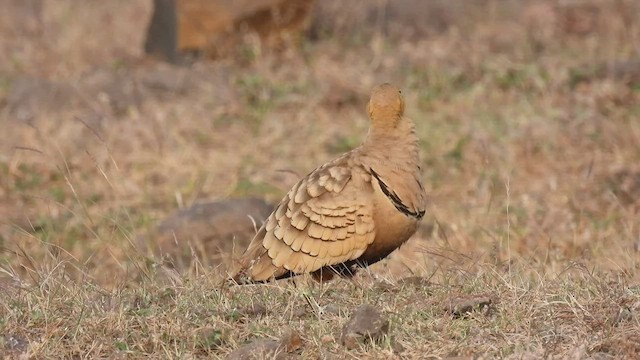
530,156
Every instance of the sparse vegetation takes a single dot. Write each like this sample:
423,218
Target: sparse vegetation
530,133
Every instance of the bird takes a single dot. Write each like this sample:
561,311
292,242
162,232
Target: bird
349,213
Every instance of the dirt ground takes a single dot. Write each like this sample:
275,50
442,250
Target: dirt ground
529,118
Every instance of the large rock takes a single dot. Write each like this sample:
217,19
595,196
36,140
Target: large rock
28,97
208,231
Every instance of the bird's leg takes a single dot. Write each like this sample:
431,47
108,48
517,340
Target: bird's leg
348,271
323,274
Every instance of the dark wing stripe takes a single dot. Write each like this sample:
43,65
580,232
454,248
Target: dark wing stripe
395,199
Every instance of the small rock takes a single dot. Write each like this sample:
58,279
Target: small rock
397,347
462,305
414,281
171,80
254,310
259,349
331,309
620,316
269,349
9,286
366,324
601,356
117,91
291,341
106,302
300,312
384,286
325,339
209,339
16,343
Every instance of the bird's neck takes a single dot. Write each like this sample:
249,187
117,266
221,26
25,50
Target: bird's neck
397,143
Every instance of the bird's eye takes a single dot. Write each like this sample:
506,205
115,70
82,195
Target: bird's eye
399,91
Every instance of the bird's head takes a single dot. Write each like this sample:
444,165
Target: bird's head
386,105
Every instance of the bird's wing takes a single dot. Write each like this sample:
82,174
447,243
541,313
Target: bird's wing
404,190
325,219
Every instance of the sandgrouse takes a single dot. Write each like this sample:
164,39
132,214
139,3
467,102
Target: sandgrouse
350,212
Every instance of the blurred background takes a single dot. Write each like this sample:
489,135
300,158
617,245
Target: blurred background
137,133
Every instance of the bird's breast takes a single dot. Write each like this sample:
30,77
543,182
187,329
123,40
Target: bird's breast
393,229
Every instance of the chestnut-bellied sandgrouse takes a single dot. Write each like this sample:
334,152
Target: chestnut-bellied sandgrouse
350,212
